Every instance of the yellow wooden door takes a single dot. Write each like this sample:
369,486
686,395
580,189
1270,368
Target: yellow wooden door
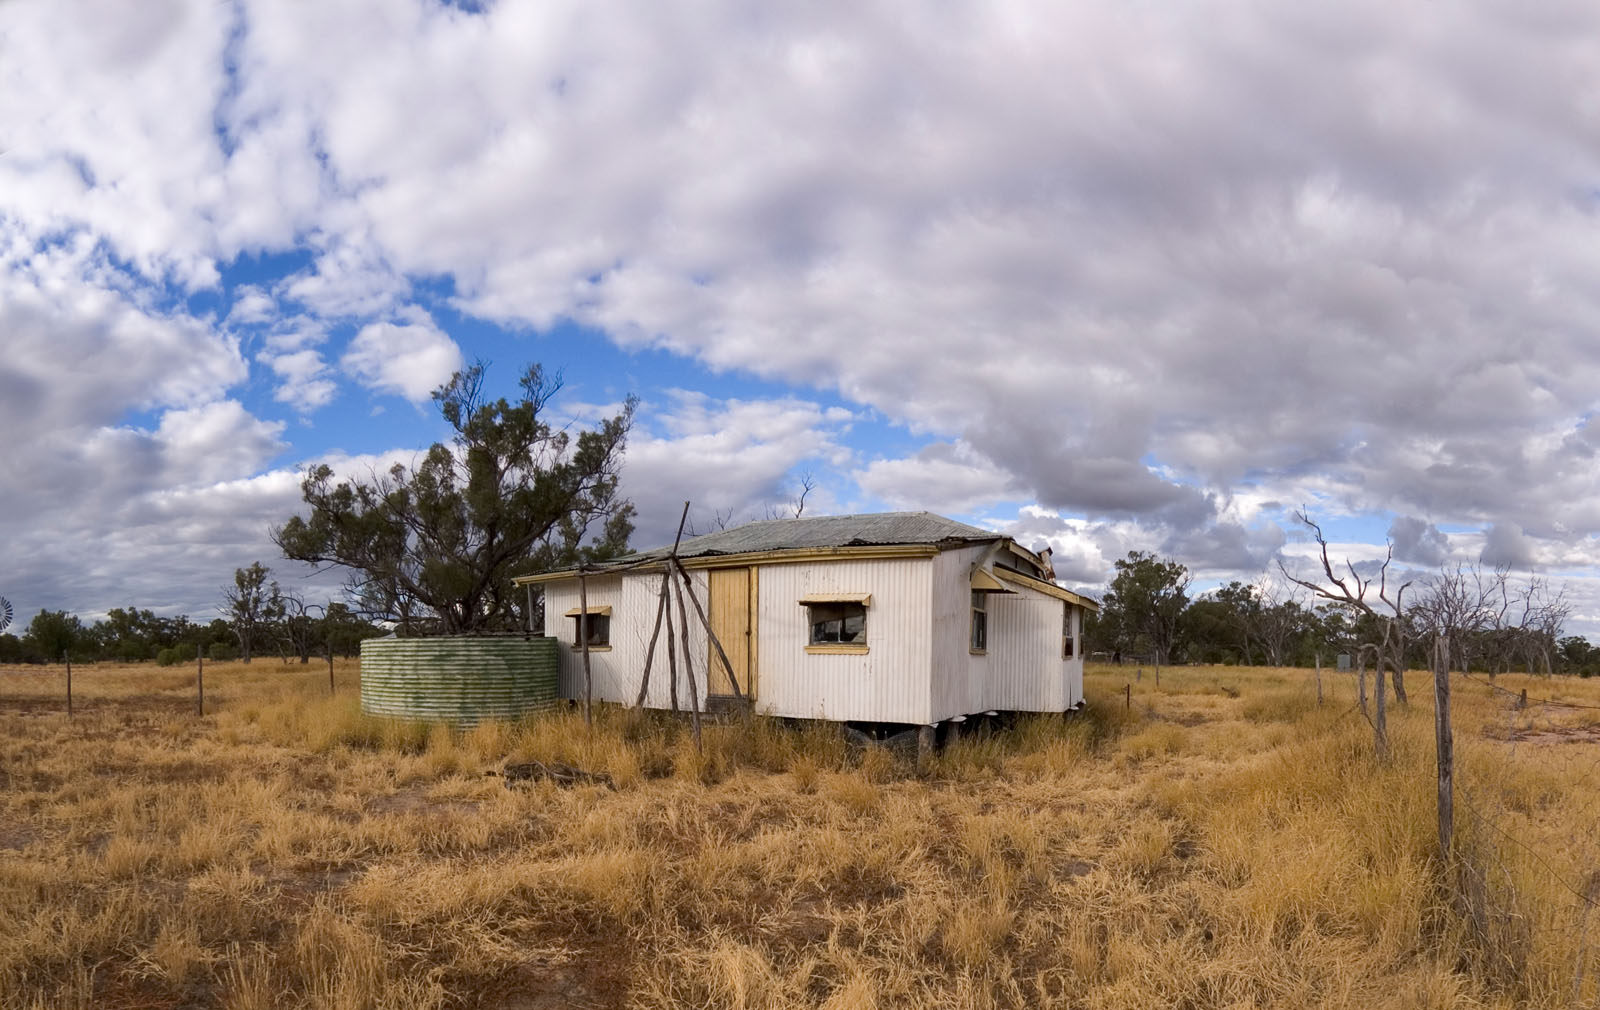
732,596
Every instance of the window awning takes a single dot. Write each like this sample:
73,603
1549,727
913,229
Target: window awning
983,582
602,611
865,599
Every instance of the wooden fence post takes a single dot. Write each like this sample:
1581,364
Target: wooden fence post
1444,742
1319,680
68,658
200,684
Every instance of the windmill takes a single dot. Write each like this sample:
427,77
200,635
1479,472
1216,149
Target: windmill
5,613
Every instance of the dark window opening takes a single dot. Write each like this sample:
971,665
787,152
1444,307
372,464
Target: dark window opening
838,623
599,630
980,622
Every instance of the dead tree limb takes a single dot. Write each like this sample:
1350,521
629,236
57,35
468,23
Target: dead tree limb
1350,589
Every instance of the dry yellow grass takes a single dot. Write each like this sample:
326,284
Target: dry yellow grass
1221,841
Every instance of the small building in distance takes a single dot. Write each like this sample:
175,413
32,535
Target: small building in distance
894,618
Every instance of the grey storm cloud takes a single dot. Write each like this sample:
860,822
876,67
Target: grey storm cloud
1418,542
1132,258
1505,545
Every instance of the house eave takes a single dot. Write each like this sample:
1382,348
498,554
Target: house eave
877,552
1047,588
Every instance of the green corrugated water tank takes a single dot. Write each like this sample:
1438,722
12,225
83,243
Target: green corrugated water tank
462,680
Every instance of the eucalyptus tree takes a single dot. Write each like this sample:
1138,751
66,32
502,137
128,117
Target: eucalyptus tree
434,546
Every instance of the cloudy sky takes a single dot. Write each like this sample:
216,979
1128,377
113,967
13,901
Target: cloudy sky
1110,276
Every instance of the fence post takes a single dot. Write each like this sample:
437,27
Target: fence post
1319,680
68,658
1444,744
200,684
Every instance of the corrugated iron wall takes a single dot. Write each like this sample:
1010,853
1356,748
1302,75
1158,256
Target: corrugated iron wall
1023,669
617,669
458,680
887,684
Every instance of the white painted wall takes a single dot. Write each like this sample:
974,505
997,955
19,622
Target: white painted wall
1022,670
917,668
887,684
616,673
957,676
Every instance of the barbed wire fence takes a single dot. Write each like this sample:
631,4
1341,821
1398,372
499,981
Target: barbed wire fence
1527,786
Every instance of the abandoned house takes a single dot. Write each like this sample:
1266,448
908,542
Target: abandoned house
904,617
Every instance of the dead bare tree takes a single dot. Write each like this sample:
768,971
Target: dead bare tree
1277,619
1541,614
1351,590
808,484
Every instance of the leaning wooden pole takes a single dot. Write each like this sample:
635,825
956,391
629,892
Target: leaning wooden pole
688,587
672,656
666,585
583,637
688,670
655,633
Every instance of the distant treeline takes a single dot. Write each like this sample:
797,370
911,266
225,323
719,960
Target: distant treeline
132,635
1147,616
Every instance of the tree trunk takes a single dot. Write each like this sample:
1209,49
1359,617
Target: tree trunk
1380,725
1397,671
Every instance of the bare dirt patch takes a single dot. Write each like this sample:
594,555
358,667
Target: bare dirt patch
1550,735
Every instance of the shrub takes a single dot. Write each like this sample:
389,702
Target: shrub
184,652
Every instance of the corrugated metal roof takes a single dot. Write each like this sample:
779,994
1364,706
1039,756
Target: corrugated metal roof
873,529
